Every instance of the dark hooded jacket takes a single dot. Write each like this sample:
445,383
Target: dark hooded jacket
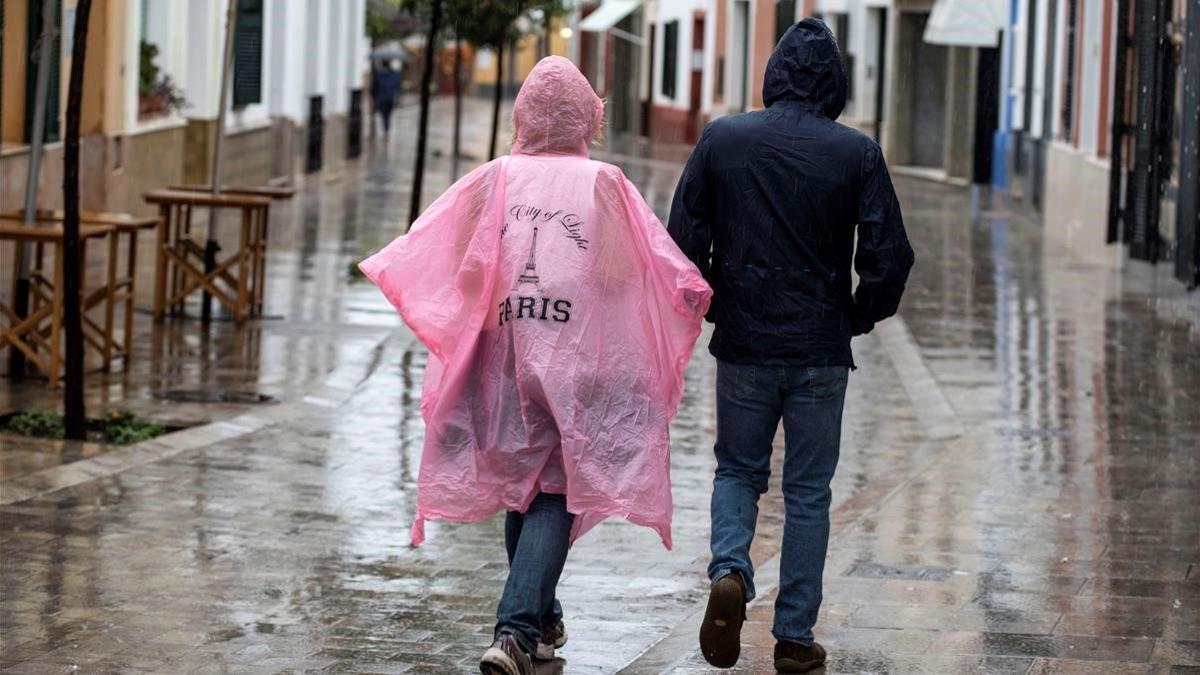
767,208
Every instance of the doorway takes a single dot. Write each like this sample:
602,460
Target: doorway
695,97
624,101
927,76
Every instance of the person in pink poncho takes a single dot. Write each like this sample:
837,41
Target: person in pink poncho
559,316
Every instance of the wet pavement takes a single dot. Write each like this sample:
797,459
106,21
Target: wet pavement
1019,490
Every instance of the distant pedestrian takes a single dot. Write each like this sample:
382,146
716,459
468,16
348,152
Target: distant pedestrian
767,208
559,317
385,91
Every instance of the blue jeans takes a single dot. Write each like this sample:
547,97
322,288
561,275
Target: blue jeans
537,543
750,402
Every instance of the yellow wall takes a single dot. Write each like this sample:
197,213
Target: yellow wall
12,124
527,57
12,116
94,85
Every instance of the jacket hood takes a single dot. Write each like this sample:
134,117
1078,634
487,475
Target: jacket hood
806,66
556,111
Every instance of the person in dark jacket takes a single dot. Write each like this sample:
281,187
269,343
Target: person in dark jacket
767,209
385,89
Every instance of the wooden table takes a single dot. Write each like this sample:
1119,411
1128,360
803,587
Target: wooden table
119,289
41,345
275,192
237,280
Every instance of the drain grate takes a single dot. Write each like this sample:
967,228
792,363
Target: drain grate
910,572
213,396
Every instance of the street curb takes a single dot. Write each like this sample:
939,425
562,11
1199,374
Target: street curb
938,419
336,388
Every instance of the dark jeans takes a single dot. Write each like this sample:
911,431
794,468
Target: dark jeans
750,402
384,108
537,542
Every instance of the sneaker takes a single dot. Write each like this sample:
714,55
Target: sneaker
721,632
793,657
552,638
505,657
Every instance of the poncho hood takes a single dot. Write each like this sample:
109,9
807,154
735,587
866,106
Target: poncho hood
806,67
556,111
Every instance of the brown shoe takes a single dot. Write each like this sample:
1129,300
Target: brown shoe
505,657
793,657
553,637
721,632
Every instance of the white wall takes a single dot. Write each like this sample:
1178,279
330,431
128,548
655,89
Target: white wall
310,47
1090,82
1037,88
683,12
1019,57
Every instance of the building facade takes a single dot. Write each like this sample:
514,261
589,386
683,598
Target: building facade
152,94
1101,127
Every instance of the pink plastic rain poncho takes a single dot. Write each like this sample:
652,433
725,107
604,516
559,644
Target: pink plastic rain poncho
560,317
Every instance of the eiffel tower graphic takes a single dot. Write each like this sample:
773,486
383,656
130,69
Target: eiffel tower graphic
530,275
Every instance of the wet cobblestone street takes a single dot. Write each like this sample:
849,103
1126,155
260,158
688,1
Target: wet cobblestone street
1018,492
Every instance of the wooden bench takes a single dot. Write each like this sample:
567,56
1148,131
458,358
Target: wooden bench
119,290
237,280
38,335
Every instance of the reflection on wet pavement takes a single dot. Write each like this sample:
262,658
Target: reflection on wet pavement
1059,533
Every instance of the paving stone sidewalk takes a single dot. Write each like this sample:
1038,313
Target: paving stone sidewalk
1018,492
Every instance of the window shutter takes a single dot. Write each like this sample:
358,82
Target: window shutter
247,53
670,58
785,16
33,25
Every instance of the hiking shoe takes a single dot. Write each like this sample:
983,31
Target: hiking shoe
505,657
793,657
552,638
721,632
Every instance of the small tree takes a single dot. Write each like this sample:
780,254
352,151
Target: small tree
492,24
431,38
73,409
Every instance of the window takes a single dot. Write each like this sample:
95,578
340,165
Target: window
842,33
719,87
785,16
247,53
670,58
33,36
158,94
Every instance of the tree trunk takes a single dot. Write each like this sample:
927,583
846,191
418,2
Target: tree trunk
72,316
456,150
496,98
423,125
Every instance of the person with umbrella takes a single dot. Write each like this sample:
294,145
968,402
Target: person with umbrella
385,90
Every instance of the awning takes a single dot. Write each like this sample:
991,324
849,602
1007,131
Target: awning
608,15
966,23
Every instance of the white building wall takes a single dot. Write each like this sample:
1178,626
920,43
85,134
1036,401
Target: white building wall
286,76
863,44
682,11
1019,58
1090,82
1054,87
310,47
1037,89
